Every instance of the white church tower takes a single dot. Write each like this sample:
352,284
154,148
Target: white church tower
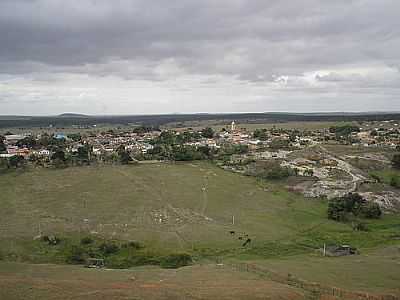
233,126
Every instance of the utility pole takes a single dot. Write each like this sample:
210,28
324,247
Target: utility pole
233,220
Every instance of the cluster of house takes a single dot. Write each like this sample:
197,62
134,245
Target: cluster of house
385,133
110,142
371,134
242,136
101,143
12,149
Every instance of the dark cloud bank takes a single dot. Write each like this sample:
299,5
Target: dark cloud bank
124,56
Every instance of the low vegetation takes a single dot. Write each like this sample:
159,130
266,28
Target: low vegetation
396,161
116,254
351,206
387,176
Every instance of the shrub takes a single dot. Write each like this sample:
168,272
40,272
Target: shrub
277,172
207,132
395,181
176,260
359,226
132,245
87,240
339,209
76,255
371,210
376,178
108,248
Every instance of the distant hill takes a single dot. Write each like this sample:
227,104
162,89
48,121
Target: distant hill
72,115
68,119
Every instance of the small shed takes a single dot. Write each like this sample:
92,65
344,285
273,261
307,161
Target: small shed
339,250
95,263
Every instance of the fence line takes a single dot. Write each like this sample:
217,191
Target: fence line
316,289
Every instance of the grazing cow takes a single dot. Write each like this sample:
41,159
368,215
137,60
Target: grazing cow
232,232
248,241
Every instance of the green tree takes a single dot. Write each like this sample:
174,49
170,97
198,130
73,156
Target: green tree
260,134
395,181
340,209
3,148
4,163
84,152
76,137
124,156
371,210
16,161
207,132
337,210
176,260
166,137
279,143
344,130
28,141
58,158
76,255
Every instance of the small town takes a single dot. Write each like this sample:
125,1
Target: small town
271,153
141,142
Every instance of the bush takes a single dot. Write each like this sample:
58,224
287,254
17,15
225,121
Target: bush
371,210
339,209
76,255
359,226
108,248
138,259
277,172
207,132
344,130
132,245
87,240
395,181
16,161
176,260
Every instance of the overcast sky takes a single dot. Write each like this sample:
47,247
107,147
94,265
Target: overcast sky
164,56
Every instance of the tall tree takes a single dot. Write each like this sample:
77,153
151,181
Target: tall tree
3,147
16,161
207,132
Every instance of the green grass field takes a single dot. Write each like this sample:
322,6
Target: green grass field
187,207
386,175
22,281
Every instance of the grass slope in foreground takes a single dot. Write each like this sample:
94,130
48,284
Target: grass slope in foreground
174,207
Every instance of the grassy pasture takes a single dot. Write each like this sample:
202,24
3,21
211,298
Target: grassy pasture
21,281
167,206
189,207
342,150
374,270
161,204
387,174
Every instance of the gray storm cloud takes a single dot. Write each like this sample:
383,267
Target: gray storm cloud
154,56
